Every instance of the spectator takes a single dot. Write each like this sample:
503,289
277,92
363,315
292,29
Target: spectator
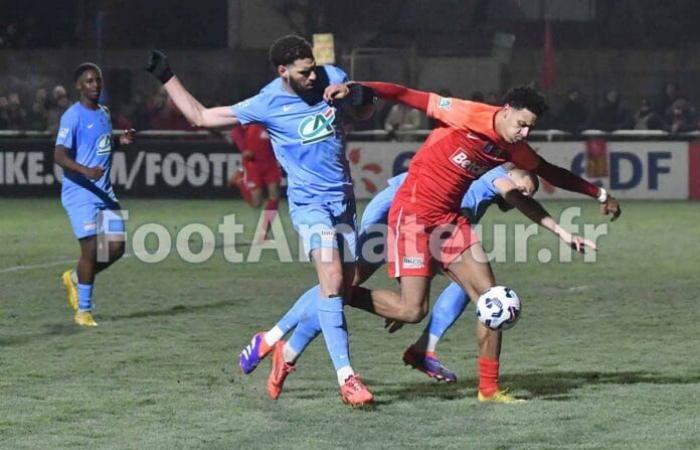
646,118
38,113
58,106
164,115
612,116
573,116
16,115
671,93
402,118
680,117
4,119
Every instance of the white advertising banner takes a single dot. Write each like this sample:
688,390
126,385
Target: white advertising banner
633,170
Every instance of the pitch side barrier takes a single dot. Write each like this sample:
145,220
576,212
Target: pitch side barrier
179,164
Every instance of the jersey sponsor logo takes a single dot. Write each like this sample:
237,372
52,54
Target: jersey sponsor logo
412,262
317,127
445,103
491,149
460,158
104,144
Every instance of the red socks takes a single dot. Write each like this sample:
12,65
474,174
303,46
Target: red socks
488,376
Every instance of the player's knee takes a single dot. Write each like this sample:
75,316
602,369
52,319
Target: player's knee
414,314
332,282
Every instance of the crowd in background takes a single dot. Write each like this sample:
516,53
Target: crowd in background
671,111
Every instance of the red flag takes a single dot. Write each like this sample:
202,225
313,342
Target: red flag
547,75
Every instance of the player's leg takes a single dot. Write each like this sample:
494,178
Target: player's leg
422,355
473,272
86,271
83,215
263,342
111,237
286,353
328,231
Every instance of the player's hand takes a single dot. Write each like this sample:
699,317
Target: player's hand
611,206
336,92
93,173
128,137
580,244
392,326
159,67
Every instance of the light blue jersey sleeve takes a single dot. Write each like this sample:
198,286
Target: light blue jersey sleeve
67,130
253,109
336,75
482,193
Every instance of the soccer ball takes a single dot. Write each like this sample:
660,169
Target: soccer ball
498,308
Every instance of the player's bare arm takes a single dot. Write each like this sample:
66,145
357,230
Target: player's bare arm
564,179
534,210
63,159
197,114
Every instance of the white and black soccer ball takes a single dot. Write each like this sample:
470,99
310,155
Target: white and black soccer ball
498,308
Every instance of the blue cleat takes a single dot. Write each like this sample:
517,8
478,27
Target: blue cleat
254,352
429,364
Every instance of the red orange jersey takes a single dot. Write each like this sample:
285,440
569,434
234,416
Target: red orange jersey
456,154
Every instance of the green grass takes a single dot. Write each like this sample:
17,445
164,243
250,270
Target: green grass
607,352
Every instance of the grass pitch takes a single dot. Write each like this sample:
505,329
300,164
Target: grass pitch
607,352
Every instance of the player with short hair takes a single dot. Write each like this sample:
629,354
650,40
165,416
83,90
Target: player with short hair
84,151
473,138
308,139
490,189
259,170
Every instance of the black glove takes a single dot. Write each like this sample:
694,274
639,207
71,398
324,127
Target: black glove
361,95
158,66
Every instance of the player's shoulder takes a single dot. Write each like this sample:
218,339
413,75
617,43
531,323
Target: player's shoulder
334,73
72,113
104,109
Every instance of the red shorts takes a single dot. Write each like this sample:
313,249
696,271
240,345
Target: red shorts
258,175
417,247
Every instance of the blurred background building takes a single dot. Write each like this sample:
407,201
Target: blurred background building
627,64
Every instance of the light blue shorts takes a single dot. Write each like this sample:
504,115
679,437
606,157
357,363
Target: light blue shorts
93,218
327,225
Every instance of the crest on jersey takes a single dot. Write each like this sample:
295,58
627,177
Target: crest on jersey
317,127
445,103
104,144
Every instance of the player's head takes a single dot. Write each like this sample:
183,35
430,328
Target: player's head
522,107
293,60
526,182
88,81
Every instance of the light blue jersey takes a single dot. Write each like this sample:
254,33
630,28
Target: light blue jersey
91,205
308,140
87,134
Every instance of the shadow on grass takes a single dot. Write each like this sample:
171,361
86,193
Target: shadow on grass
69,328
553,386
174,311
49,331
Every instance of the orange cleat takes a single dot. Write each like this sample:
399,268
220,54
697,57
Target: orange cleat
279,371
355,393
